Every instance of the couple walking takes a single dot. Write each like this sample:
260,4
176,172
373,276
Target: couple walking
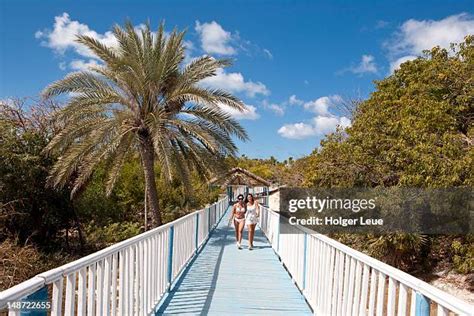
245,212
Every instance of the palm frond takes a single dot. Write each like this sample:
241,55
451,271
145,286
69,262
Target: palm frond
142,90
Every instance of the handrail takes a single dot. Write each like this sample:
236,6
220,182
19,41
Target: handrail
129,276
349,280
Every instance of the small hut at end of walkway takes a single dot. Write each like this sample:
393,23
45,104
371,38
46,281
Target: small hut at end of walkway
241,181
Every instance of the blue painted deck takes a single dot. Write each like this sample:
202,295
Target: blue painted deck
223,280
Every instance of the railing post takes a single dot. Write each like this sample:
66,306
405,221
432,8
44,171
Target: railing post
213,215
40,295
278,235
305,246
264,196
209,219
170,257
229,194
422,305
196,240
216,215
197,232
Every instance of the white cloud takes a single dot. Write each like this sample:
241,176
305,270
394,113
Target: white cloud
366,65
321,105
323,123
320,125
249,113
293,100
414,36
234,82
214,39
394,65
275,108
327,124
64,34
296,131
62,65
345,122
268,53
61,38
79,64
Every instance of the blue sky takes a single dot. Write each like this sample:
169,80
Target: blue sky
295,62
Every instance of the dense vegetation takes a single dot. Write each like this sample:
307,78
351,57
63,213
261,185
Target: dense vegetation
41,227
416,129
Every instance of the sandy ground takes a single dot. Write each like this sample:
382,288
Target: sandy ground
455,284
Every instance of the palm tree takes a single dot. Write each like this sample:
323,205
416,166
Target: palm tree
142,99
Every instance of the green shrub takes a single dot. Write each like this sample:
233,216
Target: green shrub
463,255
106,235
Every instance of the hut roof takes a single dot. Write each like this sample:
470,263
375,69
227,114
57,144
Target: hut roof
240,176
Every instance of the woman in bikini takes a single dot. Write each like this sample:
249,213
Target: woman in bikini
251,217
238,218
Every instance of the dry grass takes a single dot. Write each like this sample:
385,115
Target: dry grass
19,263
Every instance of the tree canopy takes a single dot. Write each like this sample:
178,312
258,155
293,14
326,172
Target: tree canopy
416,128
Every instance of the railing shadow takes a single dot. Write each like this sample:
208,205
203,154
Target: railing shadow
193,292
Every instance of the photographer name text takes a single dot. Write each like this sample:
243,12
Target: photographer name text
335,221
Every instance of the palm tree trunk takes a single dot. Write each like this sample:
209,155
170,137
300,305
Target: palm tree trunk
148,161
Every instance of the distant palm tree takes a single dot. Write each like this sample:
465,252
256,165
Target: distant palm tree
142,98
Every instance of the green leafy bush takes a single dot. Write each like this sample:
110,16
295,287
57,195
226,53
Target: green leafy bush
112,233
463,255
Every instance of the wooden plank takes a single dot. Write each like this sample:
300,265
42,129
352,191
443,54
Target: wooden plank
402,300
357,286
413,303
391,296
373,292
82,292
106,286
380,293
69,307
121,291
57,301
340,286
113,300
91,277
330,288
141,271
336,282
345,295
325,281
99,288
364,291
442,311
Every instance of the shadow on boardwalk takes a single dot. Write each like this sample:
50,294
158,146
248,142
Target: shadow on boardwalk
223,280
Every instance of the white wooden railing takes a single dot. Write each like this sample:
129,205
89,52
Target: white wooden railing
128,278
338,280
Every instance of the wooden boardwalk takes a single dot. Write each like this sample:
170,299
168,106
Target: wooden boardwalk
223,280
